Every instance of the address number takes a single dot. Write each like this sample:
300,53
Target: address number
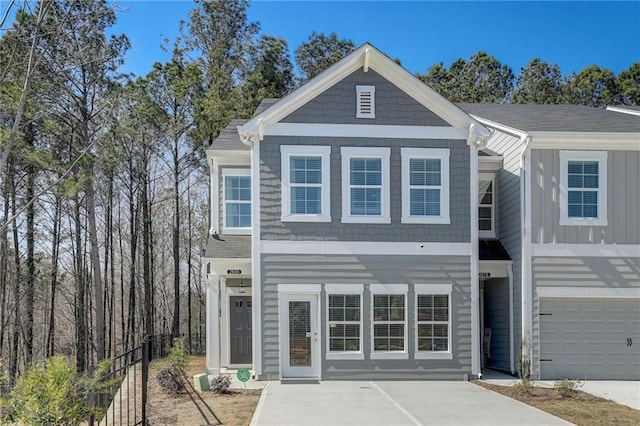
234,271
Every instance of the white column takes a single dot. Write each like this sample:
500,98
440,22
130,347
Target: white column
213,323
476,335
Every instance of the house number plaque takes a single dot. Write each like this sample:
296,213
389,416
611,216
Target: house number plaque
234,271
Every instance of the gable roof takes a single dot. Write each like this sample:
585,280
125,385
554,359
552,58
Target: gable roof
366,56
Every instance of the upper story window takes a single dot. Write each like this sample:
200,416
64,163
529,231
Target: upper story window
305,183
425,185
365,185
365,102
236,189
486,205
583,188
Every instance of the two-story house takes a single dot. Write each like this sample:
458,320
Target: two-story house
365,227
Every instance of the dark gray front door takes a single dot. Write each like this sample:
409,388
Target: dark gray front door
240,329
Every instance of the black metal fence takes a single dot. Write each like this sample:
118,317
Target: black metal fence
129,374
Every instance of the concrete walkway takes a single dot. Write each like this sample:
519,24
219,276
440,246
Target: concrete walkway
392,403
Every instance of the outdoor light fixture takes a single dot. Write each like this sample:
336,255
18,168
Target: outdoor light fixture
241,285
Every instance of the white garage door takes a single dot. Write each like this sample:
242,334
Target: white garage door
590,338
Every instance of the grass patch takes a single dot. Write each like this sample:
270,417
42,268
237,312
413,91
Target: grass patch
580,408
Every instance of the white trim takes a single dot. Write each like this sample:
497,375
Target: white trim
390,289
601,191
427,290
283,314
494,193
365,247
324,152
512,361
613,141
225,332
299,288
256,273
234,172
214,194
623,110
364,131
590,292
344,289
370,89
499,126
526,181
380,63
476,336
213,321
586,250
384,154
441,154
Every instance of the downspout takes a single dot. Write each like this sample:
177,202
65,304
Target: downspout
215,199
525,208
512,366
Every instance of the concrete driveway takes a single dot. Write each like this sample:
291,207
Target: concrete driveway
392,403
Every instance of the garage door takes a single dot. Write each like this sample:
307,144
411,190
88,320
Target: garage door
590,338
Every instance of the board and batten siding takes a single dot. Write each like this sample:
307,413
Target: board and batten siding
272,227
582,272
509,220
623,203
371,269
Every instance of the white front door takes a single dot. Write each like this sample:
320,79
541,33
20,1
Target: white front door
299,333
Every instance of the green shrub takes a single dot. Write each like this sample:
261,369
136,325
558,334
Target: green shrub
525,386
566,388
220,384
178,357
170,381
47,396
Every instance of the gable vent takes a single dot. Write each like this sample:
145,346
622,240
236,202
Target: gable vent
366,102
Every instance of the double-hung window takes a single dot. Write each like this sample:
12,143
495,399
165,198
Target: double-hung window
433,321
365,185
305,183
389,321
425,185
486,205
344,321
583,188
236,190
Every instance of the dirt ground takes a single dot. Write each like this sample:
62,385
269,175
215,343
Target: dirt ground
580,409
234,408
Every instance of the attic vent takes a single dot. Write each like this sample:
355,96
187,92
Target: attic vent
366,102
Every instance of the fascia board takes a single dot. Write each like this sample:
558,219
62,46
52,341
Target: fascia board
382,65
585,140
423,94
499,126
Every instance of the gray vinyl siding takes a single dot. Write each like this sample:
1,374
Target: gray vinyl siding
272,228
578,272
623,203
496,317
337,105
509,225
341,269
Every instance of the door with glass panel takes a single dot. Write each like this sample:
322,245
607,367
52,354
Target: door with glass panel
299,334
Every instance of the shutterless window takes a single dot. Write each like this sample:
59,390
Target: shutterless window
425,184
433,322
583,185
305,184
485,206
237,200
366,186
389,322
344,323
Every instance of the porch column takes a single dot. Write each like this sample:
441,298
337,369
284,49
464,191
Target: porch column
213,323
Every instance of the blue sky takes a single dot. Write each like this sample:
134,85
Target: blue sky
421,33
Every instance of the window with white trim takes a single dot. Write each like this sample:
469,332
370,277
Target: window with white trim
433,321
425,185
365,102
583,188
344,321
365,185
305,183
486,205
236,208
389,321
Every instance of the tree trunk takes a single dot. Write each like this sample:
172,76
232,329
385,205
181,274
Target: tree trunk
189,244
55,242
31,264
175,329
13,355
80,313
95,265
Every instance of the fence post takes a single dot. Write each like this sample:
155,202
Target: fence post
146,346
